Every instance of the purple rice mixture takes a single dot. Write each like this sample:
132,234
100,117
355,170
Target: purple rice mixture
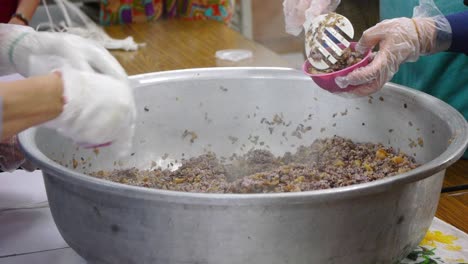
327,163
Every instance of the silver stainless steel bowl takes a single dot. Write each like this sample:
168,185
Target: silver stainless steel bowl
376,222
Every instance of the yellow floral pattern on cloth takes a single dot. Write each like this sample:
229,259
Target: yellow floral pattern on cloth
437,236
443,244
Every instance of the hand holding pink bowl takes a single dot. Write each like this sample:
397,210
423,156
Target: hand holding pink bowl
327,82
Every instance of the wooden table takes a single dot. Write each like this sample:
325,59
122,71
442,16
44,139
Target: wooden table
453,206
177,44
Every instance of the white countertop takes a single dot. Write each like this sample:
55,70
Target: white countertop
27,230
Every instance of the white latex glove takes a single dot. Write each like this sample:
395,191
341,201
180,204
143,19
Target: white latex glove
400,40
98,109
18,44
296,12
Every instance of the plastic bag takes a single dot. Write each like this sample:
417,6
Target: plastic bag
233,54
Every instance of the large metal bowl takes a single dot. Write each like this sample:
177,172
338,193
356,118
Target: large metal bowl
377,222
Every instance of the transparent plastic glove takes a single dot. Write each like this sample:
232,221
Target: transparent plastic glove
11,156
98,109
296,12
400,40
18,44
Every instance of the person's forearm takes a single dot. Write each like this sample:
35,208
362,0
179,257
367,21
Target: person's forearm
458,23
30,102
27,9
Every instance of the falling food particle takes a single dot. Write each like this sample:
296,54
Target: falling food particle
253,139
315,98
420,142
75,163
334,125
344,113
381,98
363,124
390,130
405,105
193,135
369,101
296,134
224,89
334,115
278,119
410,123
146,109
233,139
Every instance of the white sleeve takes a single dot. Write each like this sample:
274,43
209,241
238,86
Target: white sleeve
9,36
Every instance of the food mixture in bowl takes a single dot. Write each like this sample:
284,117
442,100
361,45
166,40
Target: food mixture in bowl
349,58
327,163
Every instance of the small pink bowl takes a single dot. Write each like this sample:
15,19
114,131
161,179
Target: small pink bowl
327,80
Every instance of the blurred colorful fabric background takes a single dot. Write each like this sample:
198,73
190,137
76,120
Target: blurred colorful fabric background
136,11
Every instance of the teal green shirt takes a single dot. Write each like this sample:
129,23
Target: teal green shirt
444,75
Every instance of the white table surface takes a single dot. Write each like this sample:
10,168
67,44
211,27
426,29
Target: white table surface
27,230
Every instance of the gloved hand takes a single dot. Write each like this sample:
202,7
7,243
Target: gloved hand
99,106
296,12
18,44
98,109
400,40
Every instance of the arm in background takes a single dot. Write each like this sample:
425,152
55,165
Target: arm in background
459,24
26,8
